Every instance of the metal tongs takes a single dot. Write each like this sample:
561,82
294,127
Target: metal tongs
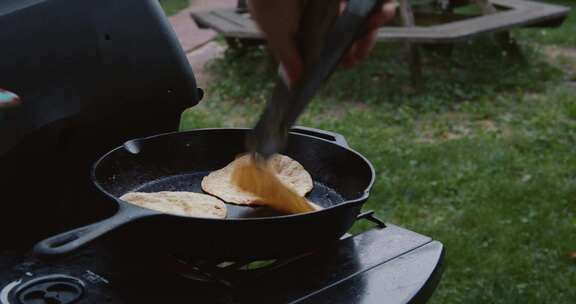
324,39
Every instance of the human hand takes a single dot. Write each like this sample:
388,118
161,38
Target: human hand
279,21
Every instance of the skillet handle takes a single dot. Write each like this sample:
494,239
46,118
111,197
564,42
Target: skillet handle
327,135
72,240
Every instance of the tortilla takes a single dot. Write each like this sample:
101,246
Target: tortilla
291,173
316,206
264,183
179,203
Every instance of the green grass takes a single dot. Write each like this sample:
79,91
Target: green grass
171,7
482,159
564,36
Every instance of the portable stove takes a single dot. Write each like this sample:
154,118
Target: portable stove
385,264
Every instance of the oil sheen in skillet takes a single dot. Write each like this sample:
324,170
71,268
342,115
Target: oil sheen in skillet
320,195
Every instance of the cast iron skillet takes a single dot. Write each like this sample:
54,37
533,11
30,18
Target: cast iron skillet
178,161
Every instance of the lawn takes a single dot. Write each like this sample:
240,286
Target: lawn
482,159
565,36
171,7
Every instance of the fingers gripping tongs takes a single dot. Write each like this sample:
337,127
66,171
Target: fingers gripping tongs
323,41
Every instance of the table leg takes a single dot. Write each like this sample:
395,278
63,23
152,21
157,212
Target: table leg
411,49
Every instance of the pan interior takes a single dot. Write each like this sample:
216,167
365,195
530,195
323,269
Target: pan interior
321,194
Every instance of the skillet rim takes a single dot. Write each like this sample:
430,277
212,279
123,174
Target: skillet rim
362,198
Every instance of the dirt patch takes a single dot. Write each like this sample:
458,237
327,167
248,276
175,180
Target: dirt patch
553,52
564,58
460,126
339,111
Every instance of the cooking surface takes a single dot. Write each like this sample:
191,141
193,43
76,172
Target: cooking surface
321,195
381,265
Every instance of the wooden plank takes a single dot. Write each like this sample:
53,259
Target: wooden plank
528,4
522,13
496,22
414,34
243,34
224,26
199,19
210,20
514,17
434,18
240,20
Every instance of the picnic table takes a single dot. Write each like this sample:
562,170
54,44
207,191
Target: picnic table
419,22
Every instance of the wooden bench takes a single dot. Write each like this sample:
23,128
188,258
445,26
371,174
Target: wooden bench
497,16
513,14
